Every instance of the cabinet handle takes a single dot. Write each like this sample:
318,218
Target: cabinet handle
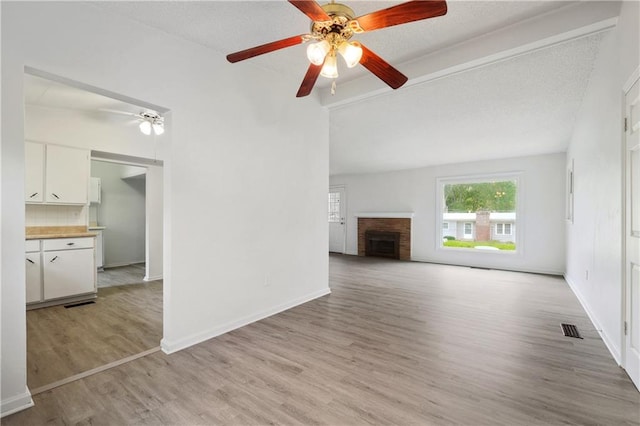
54,259
30,261
71,244
33,195
55,195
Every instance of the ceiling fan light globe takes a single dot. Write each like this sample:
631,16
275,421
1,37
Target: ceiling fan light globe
145,127
330,68
351,52
158,128
316,52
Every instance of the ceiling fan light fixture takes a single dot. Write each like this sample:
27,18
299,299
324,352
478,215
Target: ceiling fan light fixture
316,52
145,127
158,128
351,52
151,121
330,67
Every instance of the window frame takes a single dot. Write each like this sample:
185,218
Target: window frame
516,176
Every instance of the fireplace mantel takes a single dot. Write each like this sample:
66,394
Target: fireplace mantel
385,215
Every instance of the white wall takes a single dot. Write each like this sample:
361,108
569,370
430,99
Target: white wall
594,245
541,247
122,212
237,148
154,219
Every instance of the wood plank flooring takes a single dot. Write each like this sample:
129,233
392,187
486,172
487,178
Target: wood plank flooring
123,321
395,343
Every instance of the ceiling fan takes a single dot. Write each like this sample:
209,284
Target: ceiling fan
332,27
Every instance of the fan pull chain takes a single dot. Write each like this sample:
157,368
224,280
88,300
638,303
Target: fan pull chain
333,87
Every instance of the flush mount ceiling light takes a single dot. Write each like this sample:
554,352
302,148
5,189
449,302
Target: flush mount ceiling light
151,121
332,27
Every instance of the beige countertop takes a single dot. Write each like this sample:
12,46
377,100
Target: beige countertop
46,232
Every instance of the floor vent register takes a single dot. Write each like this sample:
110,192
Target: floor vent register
570,330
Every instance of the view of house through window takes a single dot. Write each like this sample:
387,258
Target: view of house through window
479,215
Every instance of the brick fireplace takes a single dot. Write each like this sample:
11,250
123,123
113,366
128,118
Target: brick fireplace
376,236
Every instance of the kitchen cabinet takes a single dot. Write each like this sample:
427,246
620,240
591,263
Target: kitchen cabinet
67,175
33,272
34,172
61,268
56,174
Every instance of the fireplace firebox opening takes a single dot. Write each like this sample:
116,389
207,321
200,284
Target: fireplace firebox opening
382,244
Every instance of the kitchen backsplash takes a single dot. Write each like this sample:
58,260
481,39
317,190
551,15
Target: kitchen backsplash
50,215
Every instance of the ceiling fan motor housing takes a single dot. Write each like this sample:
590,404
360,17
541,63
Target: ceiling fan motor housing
341,26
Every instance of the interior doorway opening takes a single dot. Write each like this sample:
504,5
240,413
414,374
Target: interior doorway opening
125,320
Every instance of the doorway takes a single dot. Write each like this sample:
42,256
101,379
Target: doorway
125,321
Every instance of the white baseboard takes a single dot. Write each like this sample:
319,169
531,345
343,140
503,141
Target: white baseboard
609,343
169,347
119,264
16,403
154,278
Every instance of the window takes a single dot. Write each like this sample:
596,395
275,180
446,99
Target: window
478,212
334,207
503,229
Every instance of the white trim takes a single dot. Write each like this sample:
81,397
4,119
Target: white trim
16,403
119,264
169,347
385,215
609,343
93,371
635,75
154,278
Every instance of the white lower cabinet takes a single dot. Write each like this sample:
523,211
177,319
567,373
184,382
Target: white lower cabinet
68,273
34,277
64,268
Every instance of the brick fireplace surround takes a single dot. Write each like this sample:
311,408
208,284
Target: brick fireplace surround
401,225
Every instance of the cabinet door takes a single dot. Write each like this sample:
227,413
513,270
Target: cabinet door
34,172
68,273
34,277
67,172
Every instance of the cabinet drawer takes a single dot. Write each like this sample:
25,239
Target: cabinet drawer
67,243
31,246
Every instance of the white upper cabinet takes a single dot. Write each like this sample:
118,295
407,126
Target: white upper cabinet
56,174
34,172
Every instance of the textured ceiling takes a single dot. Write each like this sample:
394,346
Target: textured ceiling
522,104
229,26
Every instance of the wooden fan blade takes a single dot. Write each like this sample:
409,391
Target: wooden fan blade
309,80
382,69
311,9
415,10
265,48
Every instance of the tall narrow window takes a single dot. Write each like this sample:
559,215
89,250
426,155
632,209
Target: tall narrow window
479,212
334,207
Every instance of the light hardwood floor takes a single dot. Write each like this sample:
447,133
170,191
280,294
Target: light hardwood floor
123,321
395,343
